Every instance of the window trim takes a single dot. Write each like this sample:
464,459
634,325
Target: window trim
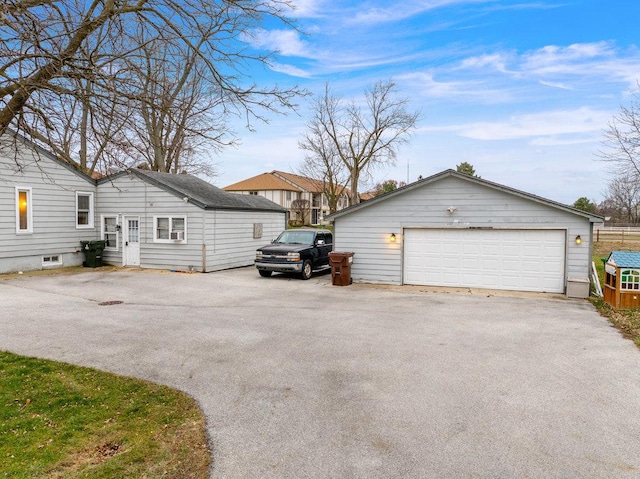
103,232
627,273
171,229
29,229
91,220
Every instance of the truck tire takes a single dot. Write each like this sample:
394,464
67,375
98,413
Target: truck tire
264,274
306,270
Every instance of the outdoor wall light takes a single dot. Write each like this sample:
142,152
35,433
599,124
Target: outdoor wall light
578,240
392,238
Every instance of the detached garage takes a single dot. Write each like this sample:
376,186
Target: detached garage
456,230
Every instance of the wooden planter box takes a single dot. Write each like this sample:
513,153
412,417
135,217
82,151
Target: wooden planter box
622,280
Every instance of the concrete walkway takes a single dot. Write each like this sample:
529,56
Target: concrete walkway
301,379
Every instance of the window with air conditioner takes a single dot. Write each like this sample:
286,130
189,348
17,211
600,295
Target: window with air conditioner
169,229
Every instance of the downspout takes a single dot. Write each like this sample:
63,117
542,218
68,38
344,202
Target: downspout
204,243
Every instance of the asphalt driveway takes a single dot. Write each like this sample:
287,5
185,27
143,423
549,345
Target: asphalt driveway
303,379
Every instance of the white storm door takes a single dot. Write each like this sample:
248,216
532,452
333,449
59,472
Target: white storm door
131,247
518,260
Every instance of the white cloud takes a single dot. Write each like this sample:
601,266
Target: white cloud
405,9
500,76
308,8
476,89
285,42
561,86
551,123
553,59
289,70
495,61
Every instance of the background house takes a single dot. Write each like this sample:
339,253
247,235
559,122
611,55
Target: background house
46,208
287,188
461,231
180,222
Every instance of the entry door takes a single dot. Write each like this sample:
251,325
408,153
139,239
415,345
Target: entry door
131,248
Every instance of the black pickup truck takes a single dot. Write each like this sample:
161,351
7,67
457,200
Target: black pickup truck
299,251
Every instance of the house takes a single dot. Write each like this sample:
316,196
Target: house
285,188
622,279
180,222
148,219
457,230
46,208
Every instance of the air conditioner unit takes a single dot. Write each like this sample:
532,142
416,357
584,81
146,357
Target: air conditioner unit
177,235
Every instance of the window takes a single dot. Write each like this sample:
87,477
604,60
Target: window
288,196
110,232
84,210
329,238
23,211
170,229
51,260
630,279
253,193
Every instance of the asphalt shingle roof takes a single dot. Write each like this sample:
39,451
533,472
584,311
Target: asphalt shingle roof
625,259
204,194
265,181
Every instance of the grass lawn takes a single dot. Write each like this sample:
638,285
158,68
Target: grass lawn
64,421
627,321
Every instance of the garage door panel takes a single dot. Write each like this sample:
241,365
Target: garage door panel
532,267
471,263
470,248
491,281
527,260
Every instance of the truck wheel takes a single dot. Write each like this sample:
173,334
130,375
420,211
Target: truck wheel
264,274
306,270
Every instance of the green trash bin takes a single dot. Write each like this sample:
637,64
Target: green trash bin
92,253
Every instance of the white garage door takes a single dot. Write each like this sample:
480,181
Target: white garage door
518,260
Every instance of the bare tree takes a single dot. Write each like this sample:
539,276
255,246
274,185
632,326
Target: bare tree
80,129
89,60
323,163
624,194
178,115
622,140
362,137
302,209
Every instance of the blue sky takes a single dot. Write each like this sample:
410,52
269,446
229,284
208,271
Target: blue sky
520,89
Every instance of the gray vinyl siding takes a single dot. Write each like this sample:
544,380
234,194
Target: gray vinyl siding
128,195
230,236
225,236
366,231
53,200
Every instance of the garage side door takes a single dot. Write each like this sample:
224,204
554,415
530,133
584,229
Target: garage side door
518,260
